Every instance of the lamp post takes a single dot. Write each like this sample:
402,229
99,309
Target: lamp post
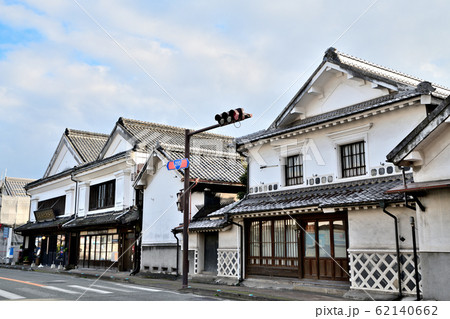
223,119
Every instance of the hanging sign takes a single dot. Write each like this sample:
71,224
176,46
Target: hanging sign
178,163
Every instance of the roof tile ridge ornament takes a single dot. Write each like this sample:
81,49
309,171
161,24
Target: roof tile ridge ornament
69,132
425,87
331,55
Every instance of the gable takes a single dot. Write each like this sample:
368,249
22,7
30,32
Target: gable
64,157
118,142
331,88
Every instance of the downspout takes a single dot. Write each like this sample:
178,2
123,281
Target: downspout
241,242
178,248
75,214
416,266
397,245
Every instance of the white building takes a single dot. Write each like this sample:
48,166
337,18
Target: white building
317,182
426,150
86,211
14,207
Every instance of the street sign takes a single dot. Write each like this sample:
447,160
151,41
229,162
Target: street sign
178,163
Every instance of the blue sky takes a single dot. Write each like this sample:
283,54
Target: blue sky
83,64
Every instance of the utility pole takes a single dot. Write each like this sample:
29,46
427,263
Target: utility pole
223,119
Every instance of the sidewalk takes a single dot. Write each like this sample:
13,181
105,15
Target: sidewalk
240,292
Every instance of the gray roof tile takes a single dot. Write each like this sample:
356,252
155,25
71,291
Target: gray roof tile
87,144
13,186
363,192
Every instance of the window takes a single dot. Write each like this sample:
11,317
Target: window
57,204
294,170
353,159
102,195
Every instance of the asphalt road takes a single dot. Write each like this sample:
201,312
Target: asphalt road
30,285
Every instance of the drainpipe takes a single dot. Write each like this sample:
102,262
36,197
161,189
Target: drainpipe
399,267
228,219
76,195
178,247
416,267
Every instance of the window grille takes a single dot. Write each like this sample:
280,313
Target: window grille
353,159
294,170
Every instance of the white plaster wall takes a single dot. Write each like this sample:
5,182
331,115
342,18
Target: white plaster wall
436,155
64,161
433,224
229,239
373,229
160,213
339,92
322,158
118,145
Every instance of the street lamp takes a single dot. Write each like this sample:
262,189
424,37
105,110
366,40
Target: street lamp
225,118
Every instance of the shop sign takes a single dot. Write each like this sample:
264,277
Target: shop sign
44,215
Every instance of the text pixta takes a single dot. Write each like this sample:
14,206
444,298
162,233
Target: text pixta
337,311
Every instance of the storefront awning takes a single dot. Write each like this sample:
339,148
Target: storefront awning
46,226
104,219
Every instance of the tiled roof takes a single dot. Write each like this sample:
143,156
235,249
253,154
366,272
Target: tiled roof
438,116
104,219
209,165
384,72
148,135
87,144
362,192
208,224
329,116
47,225
13,186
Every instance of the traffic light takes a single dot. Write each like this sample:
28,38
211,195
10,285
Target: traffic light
232,116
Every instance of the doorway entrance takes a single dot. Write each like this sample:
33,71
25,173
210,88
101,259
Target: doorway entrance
324,249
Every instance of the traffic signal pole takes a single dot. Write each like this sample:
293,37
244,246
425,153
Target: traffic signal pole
187,190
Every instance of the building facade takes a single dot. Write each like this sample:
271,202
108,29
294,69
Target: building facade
14,208
100,193
317,206
426,150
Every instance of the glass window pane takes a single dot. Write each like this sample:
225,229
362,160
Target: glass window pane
340,244
279,238
310,240
267,238
82,247
324,239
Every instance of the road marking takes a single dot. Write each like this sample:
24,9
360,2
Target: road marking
10,295
140,288
62,290
23,282
91,289
112,288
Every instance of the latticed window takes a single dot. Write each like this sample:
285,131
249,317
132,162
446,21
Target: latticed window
294,170
273,243
353,159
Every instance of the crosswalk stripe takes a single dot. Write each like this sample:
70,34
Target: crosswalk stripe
112,288
10,295
91,289
139,288
62,290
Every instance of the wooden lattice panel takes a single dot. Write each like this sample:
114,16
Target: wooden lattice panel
228,262
378,271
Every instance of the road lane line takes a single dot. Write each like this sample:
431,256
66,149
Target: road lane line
91,289
62,290
10,295
23,282
112,288
140,288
